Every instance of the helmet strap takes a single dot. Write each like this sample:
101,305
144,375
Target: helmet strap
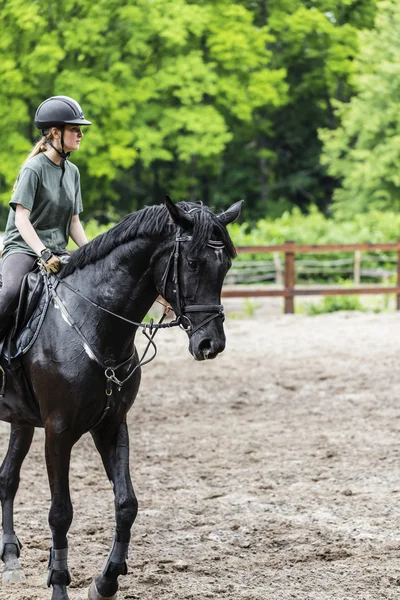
63,155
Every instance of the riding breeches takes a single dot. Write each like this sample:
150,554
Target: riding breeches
13,270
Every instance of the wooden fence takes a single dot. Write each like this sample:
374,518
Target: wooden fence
289,289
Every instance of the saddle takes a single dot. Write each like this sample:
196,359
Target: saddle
29,316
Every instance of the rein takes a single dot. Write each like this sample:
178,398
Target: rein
148,329
109,372
144,326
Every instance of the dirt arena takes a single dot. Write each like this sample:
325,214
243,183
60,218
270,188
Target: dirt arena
270,473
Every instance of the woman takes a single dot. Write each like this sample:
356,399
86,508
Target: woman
46,202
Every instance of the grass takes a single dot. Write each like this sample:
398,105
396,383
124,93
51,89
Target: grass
330,304
365,303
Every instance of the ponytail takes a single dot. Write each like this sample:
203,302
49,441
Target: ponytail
39,147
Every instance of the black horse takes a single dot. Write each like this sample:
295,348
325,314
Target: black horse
83,368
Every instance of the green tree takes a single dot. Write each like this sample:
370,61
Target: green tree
162,82
274,159
364,152
318,42
206,100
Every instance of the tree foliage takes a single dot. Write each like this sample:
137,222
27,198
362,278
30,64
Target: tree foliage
315,228
364,152
318,42
205,100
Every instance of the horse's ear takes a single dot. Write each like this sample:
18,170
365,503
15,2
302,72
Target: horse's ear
179,216
231,214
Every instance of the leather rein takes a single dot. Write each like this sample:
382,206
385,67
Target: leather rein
148,329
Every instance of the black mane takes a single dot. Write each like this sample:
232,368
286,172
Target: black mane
152,221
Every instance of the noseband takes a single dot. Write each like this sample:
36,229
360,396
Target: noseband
181,309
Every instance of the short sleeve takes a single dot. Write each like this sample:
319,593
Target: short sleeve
78,206
25,189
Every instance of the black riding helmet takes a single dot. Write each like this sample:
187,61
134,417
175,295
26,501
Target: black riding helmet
58,111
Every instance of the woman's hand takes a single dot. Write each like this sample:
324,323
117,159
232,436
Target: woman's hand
50,261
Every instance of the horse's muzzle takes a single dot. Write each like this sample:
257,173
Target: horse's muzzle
206,347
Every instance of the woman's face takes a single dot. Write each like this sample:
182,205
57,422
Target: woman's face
72,137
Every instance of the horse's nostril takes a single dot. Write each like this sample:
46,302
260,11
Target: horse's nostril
209,348
205,346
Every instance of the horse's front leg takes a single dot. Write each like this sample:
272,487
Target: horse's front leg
20,442
59,442
114,450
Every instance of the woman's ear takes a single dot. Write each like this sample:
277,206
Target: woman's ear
55,132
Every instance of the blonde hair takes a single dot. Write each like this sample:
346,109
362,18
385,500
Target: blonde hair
40,146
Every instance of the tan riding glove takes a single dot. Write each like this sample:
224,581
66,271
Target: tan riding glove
50,261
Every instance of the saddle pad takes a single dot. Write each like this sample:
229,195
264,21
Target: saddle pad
24,339
30,294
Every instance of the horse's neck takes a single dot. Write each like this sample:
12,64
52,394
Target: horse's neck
121,283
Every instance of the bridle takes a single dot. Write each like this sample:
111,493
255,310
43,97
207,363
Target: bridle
148,329
181,309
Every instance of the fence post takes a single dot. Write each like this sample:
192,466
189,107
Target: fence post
398,279
289,278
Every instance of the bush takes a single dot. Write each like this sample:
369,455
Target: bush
333,304
315,228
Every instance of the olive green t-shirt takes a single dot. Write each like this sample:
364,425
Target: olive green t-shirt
52,207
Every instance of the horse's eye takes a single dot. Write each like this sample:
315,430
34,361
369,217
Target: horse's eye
192,264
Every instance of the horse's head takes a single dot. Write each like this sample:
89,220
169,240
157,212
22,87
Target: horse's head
192,271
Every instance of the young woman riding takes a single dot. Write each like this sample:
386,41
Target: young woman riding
46,202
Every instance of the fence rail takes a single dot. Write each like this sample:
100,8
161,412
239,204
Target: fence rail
287,275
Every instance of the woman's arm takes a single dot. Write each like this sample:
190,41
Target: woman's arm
77,232
26,229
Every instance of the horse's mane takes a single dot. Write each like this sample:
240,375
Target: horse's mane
152,221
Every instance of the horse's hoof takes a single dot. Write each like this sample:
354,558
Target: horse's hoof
94,594
13,576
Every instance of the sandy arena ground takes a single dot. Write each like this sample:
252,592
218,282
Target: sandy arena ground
271,473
